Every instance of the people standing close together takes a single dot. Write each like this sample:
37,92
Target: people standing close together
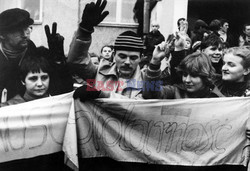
202,63
211,69
207,48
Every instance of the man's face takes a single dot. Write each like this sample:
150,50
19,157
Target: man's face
155,27
127,62
225,27
247,30
17,40
214,52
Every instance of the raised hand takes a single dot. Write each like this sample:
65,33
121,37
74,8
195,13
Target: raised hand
55,43
161,51
93,14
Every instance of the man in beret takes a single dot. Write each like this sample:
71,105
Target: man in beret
15,44
119,79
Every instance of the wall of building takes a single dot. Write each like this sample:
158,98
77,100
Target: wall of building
65,13
106,35
167,13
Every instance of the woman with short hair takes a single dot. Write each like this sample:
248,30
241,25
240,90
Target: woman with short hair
196,72
235,77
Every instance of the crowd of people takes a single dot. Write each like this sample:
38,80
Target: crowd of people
202,63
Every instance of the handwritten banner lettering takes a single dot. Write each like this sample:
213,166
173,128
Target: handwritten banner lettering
194,132
34,128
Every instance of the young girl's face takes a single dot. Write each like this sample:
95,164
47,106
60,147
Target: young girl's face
192,83
232,69
107,52
37,84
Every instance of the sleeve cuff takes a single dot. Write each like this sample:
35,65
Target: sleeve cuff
153,71
154,67
84,34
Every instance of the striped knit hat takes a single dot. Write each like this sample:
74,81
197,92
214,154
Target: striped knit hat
130,41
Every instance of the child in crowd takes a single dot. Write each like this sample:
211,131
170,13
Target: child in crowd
107,52
35,73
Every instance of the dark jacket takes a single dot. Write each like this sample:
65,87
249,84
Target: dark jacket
176,91
230,42
15,100
151,40
9,72
232,89
177,57
106,73
218,66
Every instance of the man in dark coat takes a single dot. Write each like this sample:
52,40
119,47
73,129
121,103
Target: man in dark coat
15,44
153,38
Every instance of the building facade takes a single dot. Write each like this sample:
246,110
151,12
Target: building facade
67,14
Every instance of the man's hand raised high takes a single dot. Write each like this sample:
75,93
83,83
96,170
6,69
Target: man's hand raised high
93,14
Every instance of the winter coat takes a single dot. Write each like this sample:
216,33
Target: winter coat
176,91
9,72
232,89
151,40
104,77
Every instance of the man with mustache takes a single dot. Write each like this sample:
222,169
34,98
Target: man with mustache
109,79
15,44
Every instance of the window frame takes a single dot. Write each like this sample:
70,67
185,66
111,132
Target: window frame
118,22
118,16
40,19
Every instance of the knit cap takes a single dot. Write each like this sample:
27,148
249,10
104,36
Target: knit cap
129,41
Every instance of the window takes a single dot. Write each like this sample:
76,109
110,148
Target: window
34,7
120,11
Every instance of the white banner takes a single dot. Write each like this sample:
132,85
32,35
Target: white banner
191,132
34,128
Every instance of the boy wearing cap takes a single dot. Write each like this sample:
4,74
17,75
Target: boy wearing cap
15,44
113,79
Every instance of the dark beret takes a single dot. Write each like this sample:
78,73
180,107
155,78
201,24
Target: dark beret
14,19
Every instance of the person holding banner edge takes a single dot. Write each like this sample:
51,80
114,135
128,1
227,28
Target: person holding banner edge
49,68
235,78
15,45
43,72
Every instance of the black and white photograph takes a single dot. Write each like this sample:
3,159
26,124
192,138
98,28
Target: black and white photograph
124,85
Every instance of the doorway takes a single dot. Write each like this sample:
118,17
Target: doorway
237,12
